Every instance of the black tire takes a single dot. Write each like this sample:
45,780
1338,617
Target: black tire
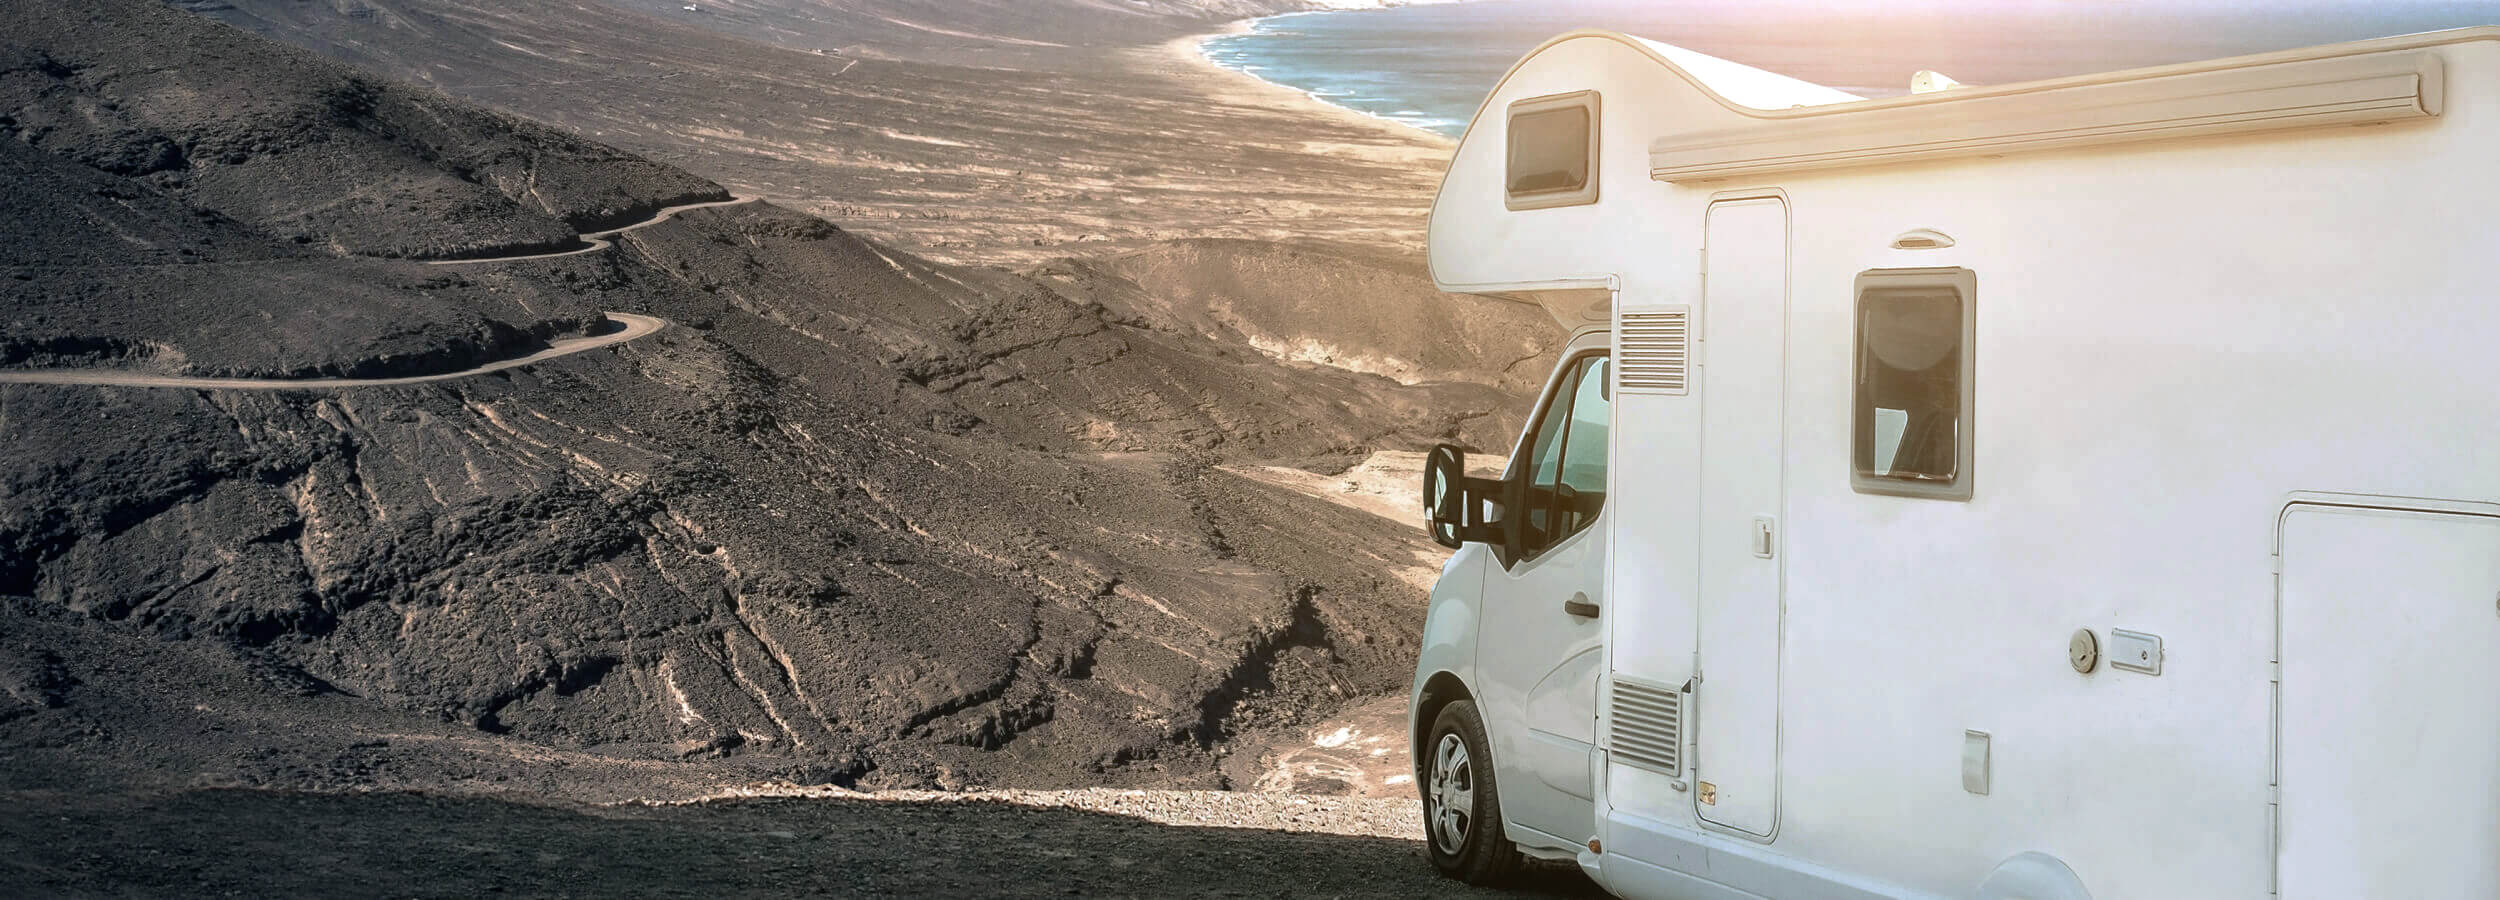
1469,846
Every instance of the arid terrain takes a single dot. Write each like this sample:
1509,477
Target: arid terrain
995,133
891,480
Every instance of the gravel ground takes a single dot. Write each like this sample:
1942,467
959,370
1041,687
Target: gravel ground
1381,817
1088,843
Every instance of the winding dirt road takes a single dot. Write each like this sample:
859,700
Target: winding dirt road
634,327
598,240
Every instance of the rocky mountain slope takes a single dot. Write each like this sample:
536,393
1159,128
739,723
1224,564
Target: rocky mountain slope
1354,310
860,517
120,268
914,28
969,141
331,160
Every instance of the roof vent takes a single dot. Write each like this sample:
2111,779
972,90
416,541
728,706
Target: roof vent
1922,239
1929,81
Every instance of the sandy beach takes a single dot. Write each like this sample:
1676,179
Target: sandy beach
1249,89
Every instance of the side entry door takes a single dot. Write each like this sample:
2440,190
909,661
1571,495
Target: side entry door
1537,645
1743,385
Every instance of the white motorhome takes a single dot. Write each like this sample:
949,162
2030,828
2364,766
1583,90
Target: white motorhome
2087,487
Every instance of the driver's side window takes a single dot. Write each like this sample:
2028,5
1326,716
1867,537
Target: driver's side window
1564,484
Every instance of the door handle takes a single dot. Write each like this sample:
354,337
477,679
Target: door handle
1580,606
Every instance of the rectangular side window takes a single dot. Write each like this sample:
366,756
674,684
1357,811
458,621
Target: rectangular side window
1552,151
1912,404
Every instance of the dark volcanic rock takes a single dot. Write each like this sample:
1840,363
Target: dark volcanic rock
626,566
287,844
188,198
105,269
32,678
304,149
873,519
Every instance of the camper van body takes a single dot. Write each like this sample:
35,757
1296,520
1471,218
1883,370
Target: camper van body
2196,595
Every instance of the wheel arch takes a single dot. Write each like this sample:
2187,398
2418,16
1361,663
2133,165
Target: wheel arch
1442,689
2033,874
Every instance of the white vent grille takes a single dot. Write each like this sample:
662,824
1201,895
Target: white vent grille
1647,730
1657,345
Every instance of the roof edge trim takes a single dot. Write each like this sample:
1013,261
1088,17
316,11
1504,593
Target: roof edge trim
1968,93
2357,85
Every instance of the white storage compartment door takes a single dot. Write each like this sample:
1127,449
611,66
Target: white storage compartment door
2389,753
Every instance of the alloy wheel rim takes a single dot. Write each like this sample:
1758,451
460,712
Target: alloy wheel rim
1451,810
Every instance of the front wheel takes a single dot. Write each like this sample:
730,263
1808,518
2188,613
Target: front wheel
1462,809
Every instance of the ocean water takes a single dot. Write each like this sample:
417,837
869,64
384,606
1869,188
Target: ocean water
1430,66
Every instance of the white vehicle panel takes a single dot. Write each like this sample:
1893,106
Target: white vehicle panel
2172,337
2389,799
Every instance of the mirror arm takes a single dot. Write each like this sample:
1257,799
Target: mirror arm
1485,508
1485,512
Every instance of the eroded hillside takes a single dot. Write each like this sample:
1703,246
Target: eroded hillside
1007,132
856,517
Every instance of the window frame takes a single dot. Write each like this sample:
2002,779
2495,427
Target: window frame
1520,480
1964,283
1586,192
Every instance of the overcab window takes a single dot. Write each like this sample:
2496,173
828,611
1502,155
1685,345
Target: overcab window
1553,151
1915,332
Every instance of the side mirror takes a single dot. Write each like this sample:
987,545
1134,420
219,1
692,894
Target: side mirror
1445,506
1454,504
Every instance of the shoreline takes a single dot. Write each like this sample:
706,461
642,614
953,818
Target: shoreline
1192,49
